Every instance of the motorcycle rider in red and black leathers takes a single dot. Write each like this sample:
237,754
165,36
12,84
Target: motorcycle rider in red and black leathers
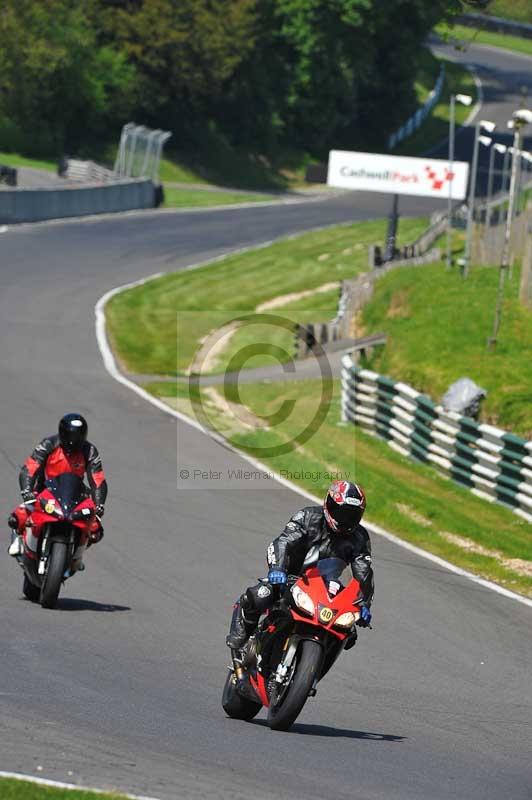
67,451
315,532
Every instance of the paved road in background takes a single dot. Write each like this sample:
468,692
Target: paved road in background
506,86
120,686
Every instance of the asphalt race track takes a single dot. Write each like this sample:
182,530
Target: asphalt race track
120,686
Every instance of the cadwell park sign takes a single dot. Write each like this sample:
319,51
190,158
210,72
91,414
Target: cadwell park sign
370,172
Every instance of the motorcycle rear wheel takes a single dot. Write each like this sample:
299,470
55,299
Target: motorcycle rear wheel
30,591
234,704
54,574
285,709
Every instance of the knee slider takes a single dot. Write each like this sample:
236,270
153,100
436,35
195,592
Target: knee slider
259,597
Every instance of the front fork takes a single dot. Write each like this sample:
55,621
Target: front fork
46,542
284,671
238,669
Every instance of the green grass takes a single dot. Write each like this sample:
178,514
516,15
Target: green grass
14,160
191,198
156,328
518,10
409,499
463,36
438,325
276,342
215,161
436,126
13,789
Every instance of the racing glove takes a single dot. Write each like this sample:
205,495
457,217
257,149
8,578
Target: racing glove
277,577
27,496
100,511
365,617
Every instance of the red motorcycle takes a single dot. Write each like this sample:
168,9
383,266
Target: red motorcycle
57,533
296,643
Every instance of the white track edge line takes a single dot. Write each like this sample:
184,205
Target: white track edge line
111,366
19,776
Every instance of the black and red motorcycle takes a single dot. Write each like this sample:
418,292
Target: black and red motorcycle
57,532
296,643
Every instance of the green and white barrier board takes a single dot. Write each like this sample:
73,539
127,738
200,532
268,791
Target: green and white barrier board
494,464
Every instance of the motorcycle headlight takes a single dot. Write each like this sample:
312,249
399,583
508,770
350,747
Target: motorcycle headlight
302,600
346,620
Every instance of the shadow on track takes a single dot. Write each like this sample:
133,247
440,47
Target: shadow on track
345,733
73,604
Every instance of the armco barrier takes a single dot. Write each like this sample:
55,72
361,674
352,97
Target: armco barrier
417,119
489,23
34,205
494,464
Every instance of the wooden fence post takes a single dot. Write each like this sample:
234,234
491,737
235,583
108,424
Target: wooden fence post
525,292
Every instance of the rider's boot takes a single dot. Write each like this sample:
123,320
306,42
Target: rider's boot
242,626
16,548
77,564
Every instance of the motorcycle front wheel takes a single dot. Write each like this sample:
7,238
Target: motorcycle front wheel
234,704
55,570
286,705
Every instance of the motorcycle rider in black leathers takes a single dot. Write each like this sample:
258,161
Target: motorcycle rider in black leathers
315,532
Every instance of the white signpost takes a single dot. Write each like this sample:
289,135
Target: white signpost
371,172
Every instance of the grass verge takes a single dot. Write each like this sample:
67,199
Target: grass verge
518,10
157,328
462,36
14,789
14,160
438,325
191,198
411,500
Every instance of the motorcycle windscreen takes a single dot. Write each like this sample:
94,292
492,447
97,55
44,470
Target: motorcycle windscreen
336,571
68,490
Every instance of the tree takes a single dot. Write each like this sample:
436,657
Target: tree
184,52
58,88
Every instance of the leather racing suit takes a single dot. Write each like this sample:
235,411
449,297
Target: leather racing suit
49,460
304,540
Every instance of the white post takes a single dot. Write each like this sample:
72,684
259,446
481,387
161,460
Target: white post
519,120
489,126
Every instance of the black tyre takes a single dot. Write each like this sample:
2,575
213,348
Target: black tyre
234,704
285,708
54,574
30,591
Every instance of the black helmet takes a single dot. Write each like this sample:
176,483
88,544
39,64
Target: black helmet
344,506
72,432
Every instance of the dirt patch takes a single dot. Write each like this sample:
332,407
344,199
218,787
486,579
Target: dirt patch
399,308
518,565
414,515
357,329
235,413
208,356
284,299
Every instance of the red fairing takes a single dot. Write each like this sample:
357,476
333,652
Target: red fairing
313,584
259,684
39,517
